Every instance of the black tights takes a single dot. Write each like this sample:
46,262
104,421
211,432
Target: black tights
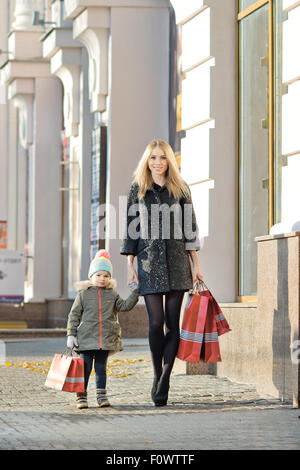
163,345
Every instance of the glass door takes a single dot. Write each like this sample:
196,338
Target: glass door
255,134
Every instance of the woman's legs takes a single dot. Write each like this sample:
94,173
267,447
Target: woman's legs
172,314
163,347
154,305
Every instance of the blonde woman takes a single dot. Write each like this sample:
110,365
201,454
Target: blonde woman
161,231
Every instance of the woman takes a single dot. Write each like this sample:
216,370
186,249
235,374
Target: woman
161,232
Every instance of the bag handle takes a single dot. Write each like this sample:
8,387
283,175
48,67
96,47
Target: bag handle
69,352
198,286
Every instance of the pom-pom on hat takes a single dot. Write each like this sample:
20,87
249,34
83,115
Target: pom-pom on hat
101,262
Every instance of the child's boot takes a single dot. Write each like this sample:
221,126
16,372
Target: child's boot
102,398
81,400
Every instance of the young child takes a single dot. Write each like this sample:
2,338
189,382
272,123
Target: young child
93,328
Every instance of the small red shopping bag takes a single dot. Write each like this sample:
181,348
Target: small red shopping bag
192,329
66,374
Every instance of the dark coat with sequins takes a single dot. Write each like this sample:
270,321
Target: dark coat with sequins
161,248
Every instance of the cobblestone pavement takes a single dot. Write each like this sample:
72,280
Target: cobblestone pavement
33,416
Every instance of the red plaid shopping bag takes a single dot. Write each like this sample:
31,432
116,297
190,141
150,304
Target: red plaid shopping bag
66,374
203,323
192,329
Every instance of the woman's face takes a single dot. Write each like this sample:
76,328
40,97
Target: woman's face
158,163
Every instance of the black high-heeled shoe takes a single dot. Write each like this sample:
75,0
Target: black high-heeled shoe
161,396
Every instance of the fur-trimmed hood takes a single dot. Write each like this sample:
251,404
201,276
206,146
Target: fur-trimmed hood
84,285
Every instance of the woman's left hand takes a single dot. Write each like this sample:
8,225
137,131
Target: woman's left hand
197,274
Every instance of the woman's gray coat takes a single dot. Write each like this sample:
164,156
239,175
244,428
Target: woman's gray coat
159,231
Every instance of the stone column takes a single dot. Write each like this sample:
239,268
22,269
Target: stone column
21,95
37,97
69,62
4,160
46,156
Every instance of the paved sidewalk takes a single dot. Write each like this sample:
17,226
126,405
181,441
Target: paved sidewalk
33,416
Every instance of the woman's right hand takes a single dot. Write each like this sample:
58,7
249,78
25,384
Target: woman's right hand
131,272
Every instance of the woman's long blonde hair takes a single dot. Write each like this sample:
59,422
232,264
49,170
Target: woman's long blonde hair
174,181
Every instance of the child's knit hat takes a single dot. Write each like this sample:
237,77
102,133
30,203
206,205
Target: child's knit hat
101,262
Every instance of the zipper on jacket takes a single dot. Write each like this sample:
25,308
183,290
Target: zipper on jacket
100,318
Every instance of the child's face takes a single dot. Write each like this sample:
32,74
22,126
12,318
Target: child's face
100,279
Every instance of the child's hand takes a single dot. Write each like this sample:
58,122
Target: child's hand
71,342
133,285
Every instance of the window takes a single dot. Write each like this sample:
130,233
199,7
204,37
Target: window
255,137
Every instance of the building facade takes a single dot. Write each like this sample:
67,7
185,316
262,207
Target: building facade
86,84
238,132
82,102
238,148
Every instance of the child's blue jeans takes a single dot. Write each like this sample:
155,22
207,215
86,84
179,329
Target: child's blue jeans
100,356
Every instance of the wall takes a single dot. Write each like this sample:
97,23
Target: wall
260,347
138,109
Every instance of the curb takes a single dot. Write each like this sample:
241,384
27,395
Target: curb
16,333
24,333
